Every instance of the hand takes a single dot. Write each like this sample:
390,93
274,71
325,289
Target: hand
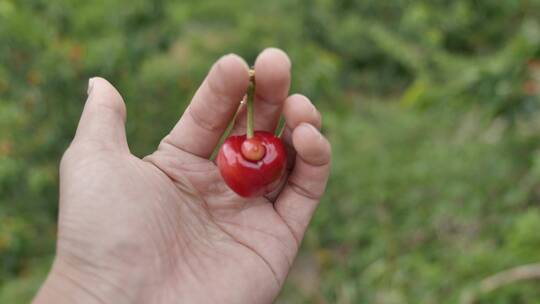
166,228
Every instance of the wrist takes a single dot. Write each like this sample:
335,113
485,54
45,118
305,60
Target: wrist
68,283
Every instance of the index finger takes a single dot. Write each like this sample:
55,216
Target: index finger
212,107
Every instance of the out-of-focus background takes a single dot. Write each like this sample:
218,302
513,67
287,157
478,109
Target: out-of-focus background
431,106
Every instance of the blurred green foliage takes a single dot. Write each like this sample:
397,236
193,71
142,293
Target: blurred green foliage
431,107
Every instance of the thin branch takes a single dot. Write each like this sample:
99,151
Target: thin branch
498,280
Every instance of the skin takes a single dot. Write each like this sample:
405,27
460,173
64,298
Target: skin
166,228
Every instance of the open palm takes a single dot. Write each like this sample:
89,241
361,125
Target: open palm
166,228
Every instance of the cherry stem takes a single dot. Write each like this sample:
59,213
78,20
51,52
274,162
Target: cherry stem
250,100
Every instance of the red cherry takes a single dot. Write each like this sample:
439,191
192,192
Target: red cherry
253,166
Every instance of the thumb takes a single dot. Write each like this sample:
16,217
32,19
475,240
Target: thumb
102,123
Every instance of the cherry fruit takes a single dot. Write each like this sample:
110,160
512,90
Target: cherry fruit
252,164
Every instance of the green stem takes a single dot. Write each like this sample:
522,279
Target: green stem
250,101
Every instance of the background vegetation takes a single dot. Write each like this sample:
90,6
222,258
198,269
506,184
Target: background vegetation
431,107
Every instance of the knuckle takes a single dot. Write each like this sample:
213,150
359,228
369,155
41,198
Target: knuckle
216,85
114,105
300,96
69,156
210,125
305,191
80,149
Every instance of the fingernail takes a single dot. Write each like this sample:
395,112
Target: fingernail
310,127
90,86
281,53
317,115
